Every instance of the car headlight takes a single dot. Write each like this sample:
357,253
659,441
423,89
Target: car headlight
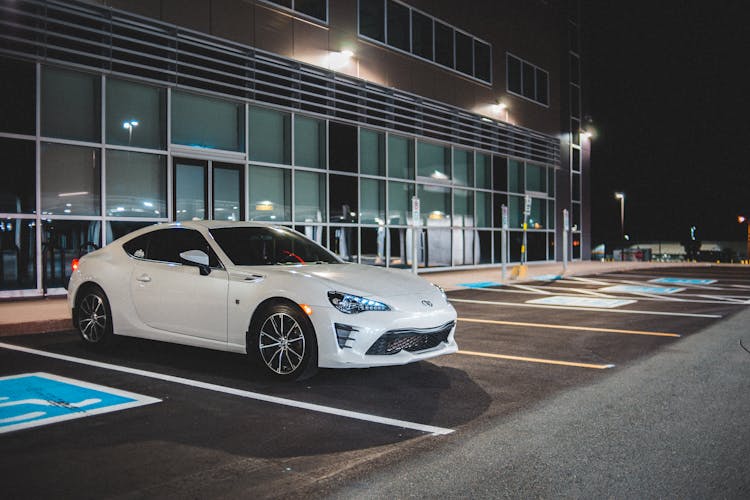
353,304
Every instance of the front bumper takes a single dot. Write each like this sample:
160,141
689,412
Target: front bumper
385,338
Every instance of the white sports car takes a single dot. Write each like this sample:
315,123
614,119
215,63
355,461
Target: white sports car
287,302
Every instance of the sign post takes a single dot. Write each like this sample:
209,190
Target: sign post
526,213
566,228
503,240
416,222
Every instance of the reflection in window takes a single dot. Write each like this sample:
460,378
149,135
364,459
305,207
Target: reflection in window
17,254
484,209
270,194
17,96
136,184
515,176
527,80
484,172
343,198
270,136
371,152
342,147
63,241
482,61
372,201
71,105
399,202
18,174
536,178
437,248
485,248
400,157
118,228
538,216
464,53
443,44
465,246
309,142
434,161
309,196
207,122
515,211
421,35
344,242
373,245
136,114
463,208
70,180
228,192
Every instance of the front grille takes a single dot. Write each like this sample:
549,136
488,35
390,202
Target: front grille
412,340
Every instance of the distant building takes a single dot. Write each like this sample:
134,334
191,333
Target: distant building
322,115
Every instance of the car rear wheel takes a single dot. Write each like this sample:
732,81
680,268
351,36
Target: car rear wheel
93,317
282,342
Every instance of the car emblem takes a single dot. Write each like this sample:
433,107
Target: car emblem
427,303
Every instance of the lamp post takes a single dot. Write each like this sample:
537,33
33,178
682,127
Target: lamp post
621,197
743,220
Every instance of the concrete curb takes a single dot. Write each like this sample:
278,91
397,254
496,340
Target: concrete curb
35,327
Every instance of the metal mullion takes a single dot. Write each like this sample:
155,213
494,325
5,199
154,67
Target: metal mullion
38,180
103,159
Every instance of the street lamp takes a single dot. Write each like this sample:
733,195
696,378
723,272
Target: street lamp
129,126
621,197
743,220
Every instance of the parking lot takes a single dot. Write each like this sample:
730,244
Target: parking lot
213,427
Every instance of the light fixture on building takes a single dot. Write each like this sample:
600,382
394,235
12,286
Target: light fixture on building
264,206
436,215
339,60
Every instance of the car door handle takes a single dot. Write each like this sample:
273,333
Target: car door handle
145,278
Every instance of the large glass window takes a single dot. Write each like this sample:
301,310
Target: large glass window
270,194
70,180
484,209
63,241
372,201
342,147
71,103
398,25
136,115
434,161
270,136
483,172
464,53
373,245
515,176
17,96
190,189
17,254
443,44
312,8
435,205
372,19
207,123
229,190
536,178
309,142
371,152
421,35
309,196
119,228
515,211
399,202
344,242
18,174
499,173
482,61
136,184
463,167
400,157
538,216
527,80
463,208
343,198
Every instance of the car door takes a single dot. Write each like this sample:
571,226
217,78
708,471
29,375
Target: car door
172,296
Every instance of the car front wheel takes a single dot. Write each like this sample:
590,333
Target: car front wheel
282,341
93,317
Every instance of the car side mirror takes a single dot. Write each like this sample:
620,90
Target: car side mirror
198,258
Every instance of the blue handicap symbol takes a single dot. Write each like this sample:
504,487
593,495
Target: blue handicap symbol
31,400
480,284
684,281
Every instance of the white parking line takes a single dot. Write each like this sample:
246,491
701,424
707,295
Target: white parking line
435,431
618,311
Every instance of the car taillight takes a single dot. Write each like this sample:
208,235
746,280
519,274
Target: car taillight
74,265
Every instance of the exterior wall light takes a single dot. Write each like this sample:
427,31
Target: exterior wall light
338,60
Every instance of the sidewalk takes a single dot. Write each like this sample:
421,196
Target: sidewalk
51,314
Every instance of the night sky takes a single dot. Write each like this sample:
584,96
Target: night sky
667,92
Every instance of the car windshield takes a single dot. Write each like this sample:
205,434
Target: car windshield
266,246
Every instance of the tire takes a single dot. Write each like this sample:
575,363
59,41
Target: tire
281,341
93,317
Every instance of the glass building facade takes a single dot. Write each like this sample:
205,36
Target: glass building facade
88,156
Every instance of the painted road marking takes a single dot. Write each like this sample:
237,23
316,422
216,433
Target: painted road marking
480,284
547,277
537,360
652,290
570,327
587,280
36,399
532,289
435,431
683,281
618,311
560,300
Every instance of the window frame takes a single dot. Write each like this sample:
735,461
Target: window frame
536,70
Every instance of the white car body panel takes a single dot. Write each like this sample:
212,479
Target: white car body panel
175,303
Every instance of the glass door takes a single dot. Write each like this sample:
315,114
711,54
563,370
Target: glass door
228,190
190,189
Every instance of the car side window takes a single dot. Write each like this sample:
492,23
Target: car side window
137,247
166,245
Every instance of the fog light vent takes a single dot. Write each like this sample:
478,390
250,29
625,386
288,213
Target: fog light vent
344,333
